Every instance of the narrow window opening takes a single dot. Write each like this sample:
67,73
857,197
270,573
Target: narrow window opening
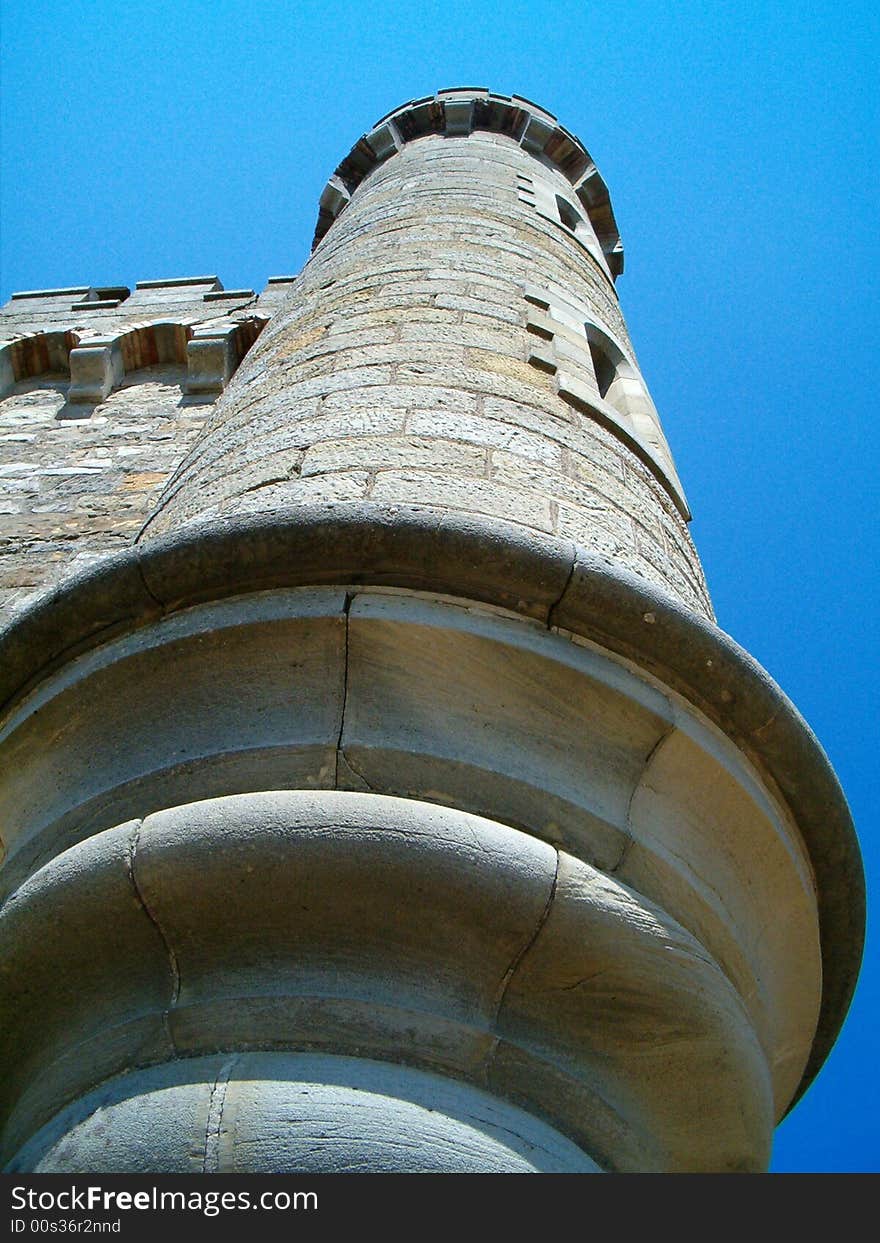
567,214
605,370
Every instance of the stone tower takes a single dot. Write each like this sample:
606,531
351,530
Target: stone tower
392,800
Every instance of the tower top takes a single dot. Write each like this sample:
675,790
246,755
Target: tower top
457,112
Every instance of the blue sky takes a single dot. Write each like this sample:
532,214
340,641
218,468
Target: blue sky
740,144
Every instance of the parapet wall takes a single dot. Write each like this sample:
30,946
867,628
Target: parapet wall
102,392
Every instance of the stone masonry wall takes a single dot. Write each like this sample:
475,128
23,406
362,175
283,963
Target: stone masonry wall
75,488
412,363
78,479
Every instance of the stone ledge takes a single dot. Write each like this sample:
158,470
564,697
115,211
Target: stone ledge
223,295
493,562
68,291
177,282
443,1124
413,910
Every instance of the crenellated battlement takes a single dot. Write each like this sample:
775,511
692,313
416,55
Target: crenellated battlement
458,112
102,391
96,335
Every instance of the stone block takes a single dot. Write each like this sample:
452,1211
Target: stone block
325,901
210,361
301,663
655,1030
459,115
505,735
448,491
382,453
95,368
311,1113
58,963
493,433
384,140
535,134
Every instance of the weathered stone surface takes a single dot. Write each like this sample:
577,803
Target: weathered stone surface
586,981
57,965
95,416
458,554
410,908
147,720
286,1113
397,731
436,352
526,755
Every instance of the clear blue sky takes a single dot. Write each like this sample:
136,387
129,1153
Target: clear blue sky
740,144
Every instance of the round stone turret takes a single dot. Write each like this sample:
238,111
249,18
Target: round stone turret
456,344
396,787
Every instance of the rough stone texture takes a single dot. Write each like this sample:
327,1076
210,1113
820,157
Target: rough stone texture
402,735
283,1113
399,371
80,467
75,485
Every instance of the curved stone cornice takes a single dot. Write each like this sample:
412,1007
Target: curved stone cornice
407,694
499,564
231,1114
390,928
458,112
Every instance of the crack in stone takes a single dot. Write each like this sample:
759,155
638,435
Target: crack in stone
521,953
346,608
213,1126
160,604
649,759
756,734
142,902
343,756
569,988
553,607
265,483
148,522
